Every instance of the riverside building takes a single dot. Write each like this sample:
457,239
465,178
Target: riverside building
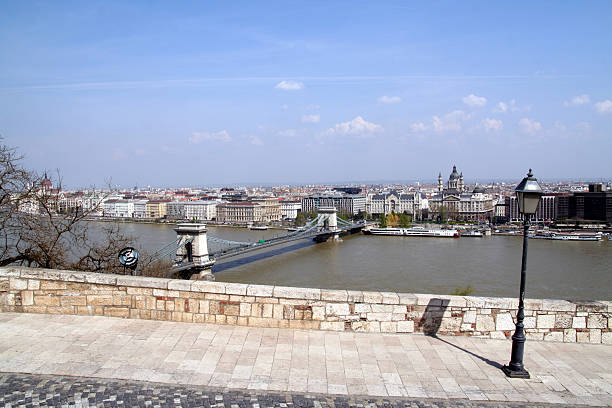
453,202
386,203
344,203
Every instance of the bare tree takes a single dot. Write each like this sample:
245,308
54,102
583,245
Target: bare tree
34,233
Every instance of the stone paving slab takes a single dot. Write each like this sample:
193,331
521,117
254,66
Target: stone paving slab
458,369
26,390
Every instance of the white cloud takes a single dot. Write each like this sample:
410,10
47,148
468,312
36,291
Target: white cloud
529,126
501,108
491,124
357,127
256,140
389,99
289,85
284,106
198,137
578,100
311,118
604,107
474,101
287,133
418,127
451,122
560,127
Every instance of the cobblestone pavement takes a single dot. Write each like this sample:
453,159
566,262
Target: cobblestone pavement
21,390
299,361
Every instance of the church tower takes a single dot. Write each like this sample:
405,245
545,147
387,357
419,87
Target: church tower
440,186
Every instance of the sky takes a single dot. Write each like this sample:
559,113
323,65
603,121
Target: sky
223,93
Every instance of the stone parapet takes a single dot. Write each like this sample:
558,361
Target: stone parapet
68,292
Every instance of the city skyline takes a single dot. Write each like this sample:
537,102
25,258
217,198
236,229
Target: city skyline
305,94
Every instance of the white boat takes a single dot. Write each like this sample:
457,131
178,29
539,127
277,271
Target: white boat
258,227
472,234
567,236
413,232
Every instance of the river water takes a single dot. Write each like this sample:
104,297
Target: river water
491,265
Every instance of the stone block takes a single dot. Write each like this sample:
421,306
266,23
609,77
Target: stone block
262,322
245,309
380,317
117,311
45,300
534,336
450,324
304,324
260,290
606,337
390,298
563,321
236,288
33,284
35,309
388,327
363,308
469,316
216,296
180,284
318,313
139,291
267,310
18,284
595,336
101,278
497,335
545,321
70,276
431,300
569,336
597,321
334,295
372,297
406,326
407,299
501,303
278,312
337,309
361,326
73,300
579,323
529,322
354,296
485,323
142,282
555,305
503,321
15,272
591,306
208,287
4,284
466,327
66,310
335,326
99,300
553,336
52,285
582,336
377,308
297,293
27,298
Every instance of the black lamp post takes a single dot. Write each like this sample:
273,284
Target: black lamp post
528,194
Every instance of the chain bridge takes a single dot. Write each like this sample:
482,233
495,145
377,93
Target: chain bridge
191,252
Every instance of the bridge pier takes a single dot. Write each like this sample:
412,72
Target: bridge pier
330,222
192,253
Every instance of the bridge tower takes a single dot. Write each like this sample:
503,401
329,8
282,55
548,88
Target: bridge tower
192,253
328,219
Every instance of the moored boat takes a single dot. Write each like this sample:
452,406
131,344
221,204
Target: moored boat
414,232
567,236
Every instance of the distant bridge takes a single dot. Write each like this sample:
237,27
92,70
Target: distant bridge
192,257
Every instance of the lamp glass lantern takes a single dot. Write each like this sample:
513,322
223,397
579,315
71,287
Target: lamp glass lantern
528,194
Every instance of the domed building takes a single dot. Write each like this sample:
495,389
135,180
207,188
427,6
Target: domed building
453,202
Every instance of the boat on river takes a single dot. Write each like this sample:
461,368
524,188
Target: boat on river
258,227
567,236
472,234
413,232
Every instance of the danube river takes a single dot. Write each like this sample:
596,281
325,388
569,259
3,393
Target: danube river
555,269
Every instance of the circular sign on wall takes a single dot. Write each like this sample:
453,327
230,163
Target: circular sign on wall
128,257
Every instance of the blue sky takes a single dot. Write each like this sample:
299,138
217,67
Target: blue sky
203,93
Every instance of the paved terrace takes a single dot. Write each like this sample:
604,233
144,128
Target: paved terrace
461,370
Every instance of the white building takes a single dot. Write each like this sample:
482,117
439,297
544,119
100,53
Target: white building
140,208
290,209
119,208
388,202
176,210
200,210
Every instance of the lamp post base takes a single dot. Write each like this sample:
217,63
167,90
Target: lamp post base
515,373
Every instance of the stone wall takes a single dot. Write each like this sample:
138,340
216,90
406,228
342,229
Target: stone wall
66,292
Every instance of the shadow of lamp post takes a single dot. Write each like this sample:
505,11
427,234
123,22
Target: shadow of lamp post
528,194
